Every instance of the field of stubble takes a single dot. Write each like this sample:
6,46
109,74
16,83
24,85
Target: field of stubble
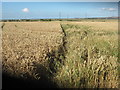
71,54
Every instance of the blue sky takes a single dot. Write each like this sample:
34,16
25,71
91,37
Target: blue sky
34,10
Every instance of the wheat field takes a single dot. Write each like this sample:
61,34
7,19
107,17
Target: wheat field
27,44
71,54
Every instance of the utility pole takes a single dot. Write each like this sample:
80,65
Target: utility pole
86,15
67,16
59,15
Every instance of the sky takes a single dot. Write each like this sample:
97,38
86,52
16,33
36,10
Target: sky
60,0
41,10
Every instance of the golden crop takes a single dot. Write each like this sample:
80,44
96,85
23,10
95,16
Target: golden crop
71,54
27,44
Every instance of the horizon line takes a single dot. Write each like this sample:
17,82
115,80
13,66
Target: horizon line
58,18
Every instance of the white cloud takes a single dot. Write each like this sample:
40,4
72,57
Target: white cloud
109,9
25,10
112,9
103,8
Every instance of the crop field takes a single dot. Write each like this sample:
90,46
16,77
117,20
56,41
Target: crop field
26,45
65,53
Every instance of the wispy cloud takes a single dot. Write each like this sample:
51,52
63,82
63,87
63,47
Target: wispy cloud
25,10
109,9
